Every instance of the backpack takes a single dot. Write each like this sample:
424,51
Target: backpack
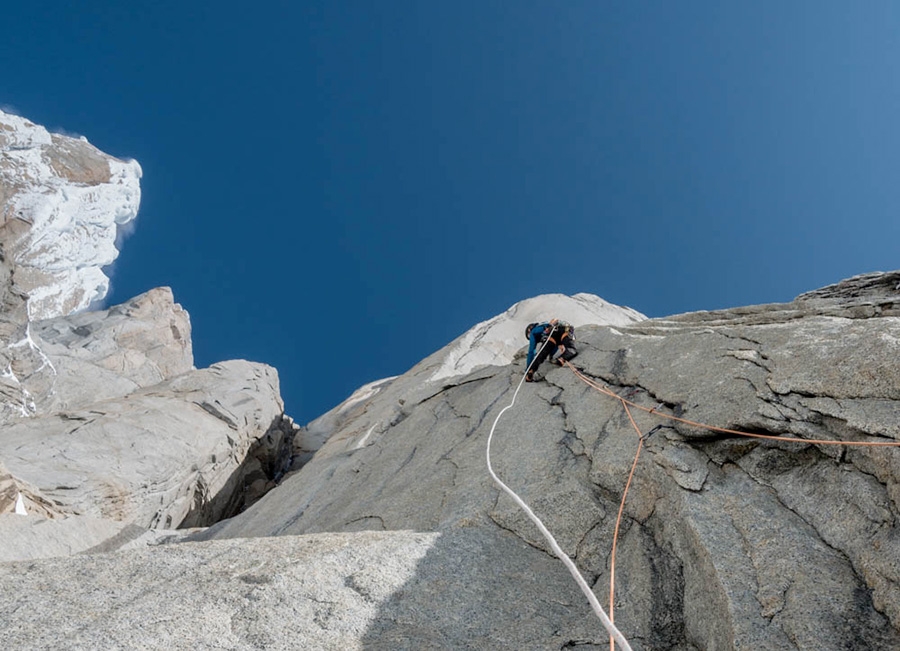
561,326
566,327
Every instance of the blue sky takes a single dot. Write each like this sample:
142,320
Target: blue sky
340,188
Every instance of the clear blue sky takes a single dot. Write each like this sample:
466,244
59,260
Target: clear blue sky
340,188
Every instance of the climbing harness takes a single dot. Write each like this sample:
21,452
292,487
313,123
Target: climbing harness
614,632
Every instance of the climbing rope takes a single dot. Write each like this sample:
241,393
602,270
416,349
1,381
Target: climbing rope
608,621
626,404
723,430
612,556
614,632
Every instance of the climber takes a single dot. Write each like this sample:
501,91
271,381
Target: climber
560,346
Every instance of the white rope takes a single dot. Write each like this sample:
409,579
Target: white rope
573,570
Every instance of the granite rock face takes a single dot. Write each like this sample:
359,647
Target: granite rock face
296,592
494,342
392,534
60,363
117,426
157,457
728,542
62,202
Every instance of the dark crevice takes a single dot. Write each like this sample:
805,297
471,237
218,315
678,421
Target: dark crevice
446,387
484,415
364,518
580,645
749,361
676,408
740,337
264,466
218,412
519,536
408,459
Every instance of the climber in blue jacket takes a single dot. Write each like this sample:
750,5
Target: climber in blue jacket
560,344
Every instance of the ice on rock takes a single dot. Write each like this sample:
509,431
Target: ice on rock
68,200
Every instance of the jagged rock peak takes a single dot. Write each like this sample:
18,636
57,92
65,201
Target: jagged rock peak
61,203
874,286
494,342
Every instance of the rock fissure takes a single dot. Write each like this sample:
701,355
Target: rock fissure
676,408
743,337
523,539
745,358
484,414
363,518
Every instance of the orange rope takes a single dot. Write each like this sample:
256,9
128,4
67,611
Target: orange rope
628,403
724,430
612,563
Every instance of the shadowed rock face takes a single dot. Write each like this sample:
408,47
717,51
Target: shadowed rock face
727,542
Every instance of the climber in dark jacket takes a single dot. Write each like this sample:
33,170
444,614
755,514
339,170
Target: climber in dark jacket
560,344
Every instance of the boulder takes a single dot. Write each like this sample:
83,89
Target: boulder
68,362
176,453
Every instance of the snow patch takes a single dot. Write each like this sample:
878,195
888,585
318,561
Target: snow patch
319,430
73,224
362,442
20,505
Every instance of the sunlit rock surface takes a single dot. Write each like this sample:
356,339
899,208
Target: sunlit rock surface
392,535
727,542
61,201
105,424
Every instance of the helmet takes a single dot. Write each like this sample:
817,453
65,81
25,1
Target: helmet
529,329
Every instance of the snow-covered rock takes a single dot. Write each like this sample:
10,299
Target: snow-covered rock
67,362
61,202
105,424
496,341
